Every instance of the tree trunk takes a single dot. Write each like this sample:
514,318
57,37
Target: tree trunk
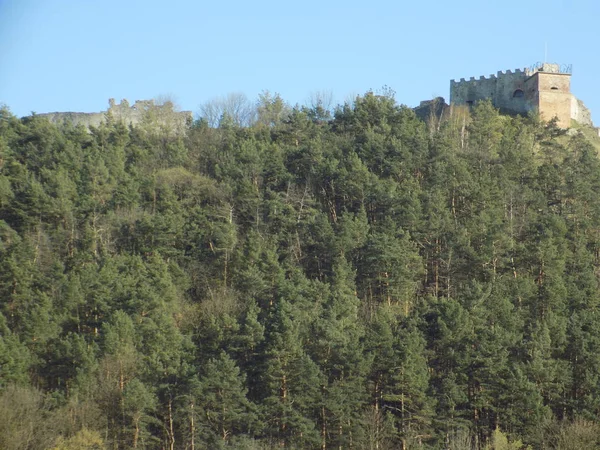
171,432
192,428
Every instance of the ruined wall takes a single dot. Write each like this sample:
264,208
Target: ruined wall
435,108
140,111
85,119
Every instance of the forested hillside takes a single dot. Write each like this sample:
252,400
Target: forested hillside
311,281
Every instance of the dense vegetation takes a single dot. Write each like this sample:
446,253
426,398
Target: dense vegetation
357,280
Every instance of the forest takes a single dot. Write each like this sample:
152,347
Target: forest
348,279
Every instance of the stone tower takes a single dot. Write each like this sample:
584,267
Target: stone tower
549,91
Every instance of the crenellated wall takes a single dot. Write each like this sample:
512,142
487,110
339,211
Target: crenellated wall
472,90
499,88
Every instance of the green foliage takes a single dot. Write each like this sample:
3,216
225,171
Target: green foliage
83,440
226,410
501,442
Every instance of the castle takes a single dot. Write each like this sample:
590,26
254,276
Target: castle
129,115
545,88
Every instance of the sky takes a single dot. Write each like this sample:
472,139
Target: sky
73,55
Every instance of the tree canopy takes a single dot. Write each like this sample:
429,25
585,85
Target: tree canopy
299,278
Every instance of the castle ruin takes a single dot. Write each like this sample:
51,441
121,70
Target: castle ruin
544,88
128,114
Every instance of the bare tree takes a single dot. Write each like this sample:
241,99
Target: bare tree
321,104
168,100
350,99
386,91
320,99
235,107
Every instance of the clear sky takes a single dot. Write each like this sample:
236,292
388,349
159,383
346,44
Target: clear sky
73,55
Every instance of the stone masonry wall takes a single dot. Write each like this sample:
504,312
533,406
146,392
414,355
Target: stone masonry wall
472,90
554,97
85,119
508,84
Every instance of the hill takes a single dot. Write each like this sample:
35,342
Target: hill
346,279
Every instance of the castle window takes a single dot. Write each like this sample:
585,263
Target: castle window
518,93
554,88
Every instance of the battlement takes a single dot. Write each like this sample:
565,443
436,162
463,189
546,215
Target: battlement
499,74
510,72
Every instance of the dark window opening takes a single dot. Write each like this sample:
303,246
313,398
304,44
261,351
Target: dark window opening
518,93
470,102
554,88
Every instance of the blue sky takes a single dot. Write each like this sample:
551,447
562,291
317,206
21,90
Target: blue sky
72,55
